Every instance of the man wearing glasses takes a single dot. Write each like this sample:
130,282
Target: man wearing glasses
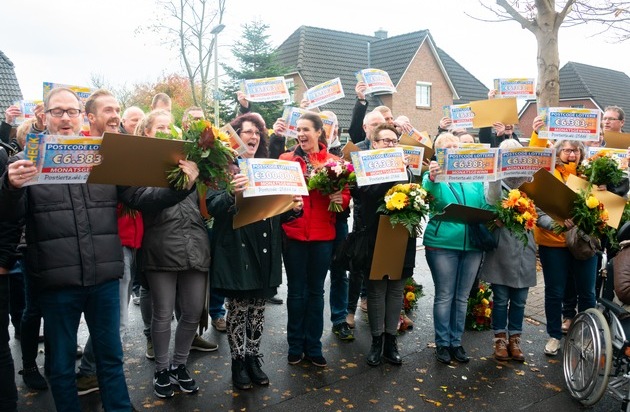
613,119
74,258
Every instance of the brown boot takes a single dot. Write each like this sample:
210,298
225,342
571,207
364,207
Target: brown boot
500,347
514,347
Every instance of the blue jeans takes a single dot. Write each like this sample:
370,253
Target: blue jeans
306,264
338,297
508,309
557,265
31,321
8,390
62,310
453,273
216,309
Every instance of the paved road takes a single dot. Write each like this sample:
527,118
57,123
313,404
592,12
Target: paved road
348,383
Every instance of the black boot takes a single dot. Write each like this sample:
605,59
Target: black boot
33,379
390,350
374,357
252,364
240,378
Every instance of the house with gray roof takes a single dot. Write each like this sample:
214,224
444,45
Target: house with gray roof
584,86
425,76
9,88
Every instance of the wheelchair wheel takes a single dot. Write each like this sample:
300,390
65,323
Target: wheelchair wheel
587,357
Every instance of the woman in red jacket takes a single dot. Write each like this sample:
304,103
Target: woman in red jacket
309,247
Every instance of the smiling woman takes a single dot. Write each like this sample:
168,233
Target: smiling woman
309,246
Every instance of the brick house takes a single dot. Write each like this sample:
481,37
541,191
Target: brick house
425,76
584,86
9,87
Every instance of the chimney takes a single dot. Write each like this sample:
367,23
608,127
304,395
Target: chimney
381,34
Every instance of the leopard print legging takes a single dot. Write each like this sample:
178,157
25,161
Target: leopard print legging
245,320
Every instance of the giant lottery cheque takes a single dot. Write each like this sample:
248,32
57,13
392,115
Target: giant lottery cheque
572,124
379,166
265,90
461,115
525,161
273,177
62,159
467,165
520,88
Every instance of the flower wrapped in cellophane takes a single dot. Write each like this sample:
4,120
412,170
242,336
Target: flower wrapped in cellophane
331,177
589,215
479,310
209,148
517,213
407,204
602,169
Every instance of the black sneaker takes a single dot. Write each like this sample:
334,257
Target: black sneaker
318,361
33,379
181,377
295,359
459,354
162,384
443,354
343,331
275,300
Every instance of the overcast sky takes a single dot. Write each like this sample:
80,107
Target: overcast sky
67,41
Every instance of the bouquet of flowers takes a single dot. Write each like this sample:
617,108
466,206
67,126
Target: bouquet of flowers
589,215
209,148
518,214
412,292
407,204
332,177
602,169
479,311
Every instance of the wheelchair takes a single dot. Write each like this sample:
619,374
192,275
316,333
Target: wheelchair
596,351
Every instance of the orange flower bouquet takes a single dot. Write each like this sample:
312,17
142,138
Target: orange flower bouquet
518,213
479,311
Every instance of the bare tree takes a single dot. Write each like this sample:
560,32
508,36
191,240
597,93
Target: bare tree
123,93
187,27
545,17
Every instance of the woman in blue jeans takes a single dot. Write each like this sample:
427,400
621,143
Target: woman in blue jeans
557,261
308,248
511,269
453,261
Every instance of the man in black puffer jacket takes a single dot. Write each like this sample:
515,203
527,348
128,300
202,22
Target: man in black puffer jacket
74,257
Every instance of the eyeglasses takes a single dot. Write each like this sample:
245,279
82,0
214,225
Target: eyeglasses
388,141
60,112
569,151
609,119
250,132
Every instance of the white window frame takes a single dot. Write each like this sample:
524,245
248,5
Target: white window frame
291,86
420,87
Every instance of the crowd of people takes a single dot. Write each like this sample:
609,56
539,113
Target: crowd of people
109,244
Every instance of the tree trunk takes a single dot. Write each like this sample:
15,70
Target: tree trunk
548,58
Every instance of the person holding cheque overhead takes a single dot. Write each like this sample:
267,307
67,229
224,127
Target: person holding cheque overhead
246,262
309,246
383,295
452,259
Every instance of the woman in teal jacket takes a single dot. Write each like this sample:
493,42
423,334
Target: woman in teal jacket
453,261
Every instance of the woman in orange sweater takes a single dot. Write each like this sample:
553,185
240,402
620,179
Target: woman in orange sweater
556,260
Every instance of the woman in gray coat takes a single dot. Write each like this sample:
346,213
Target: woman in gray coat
511,270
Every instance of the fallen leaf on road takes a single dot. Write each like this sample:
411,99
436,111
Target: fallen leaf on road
520,373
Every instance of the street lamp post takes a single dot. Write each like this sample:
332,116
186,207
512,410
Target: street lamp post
215,31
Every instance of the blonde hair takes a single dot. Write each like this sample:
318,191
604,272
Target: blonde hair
22,131
445,138
148,121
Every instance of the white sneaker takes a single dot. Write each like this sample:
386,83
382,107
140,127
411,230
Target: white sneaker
552,347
